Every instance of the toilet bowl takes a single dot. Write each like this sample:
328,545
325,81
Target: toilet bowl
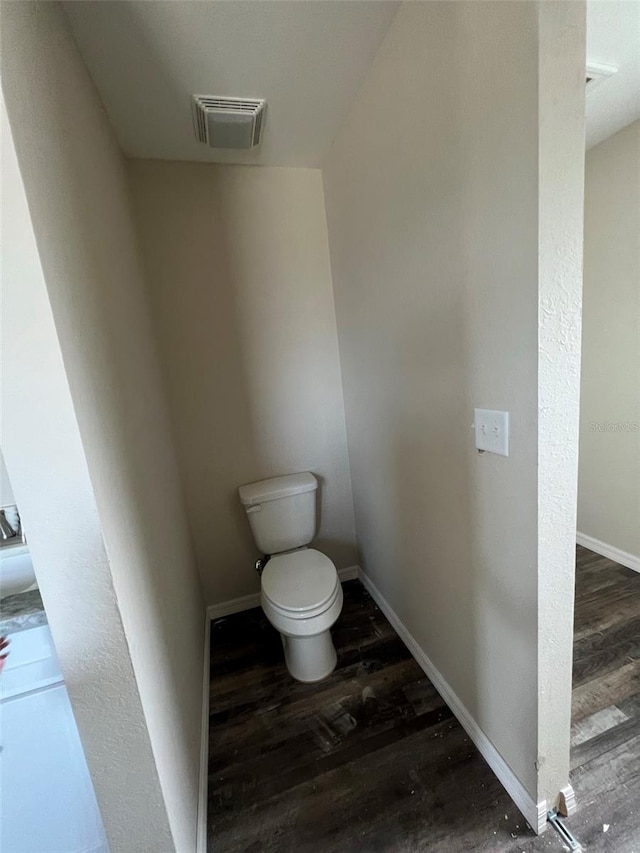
300,591
301,596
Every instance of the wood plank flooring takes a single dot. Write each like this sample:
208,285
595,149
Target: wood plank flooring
371,759
605,756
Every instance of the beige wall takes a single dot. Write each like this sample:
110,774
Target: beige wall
609,485
129,564
433,219
240,287
58,507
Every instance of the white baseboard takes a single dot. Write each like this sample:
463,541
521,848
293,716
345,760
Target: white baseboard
349,574
609,551
236,605
535,813
201,828
567,801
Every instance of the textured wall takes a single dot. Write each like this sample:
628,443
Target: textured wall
75,184
609,486
240,288
58,507
561,197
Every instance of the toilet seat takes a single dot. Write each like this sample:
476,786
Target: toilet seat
301,584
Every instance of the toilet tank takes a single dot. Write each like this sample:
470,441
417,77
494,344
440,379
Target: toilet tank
281,511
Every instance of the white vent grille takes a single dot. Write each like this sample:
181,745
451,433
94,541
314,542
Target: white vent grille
223,122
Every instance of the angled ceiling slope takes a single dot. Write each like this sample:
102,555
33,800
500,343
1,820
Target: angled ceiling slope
613,38
148,58
307,59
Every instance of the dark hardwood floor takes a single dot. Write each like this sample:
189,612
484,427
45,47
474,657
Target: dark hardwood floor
371,759
605,753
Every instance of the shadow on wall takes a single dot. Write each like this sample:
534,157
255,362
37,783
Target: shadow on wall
241,296
435,273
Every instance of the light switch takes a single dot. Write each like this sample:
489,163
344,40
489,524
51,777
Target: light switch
492,431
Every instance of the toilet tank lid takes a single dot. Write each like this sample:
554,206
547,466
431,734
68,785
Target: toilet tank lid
277,487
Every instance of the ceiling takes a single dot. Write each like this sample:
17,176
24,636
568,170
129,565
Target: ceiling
148,58
613,38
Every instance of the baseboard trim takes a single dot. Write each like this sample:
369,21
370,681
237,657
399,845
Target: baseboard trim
201,828
237,605
351,573
609,551
567,801
535,813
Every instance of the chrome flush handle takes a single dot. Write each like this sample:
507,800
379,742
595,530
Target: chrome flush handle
261,563
6,530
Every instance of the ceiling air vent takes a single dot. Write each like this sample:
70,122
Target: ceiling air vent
597,74
228,122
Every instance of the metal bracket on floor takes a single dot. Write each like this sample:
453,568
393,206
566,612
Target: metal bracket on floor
572,843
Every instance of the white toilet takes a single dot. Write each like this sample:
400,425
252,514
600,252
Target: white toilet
300,590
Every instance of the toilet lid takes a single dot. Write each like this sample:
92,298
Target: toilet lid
302,580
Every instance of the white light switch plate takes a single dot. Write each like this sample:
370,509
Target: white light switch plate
492,431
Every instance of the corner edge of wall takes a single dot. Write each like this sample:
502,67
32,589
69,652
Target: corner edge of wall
201,812
534,812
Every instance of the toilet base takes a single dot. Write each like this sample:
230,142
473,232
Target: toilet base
310,659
